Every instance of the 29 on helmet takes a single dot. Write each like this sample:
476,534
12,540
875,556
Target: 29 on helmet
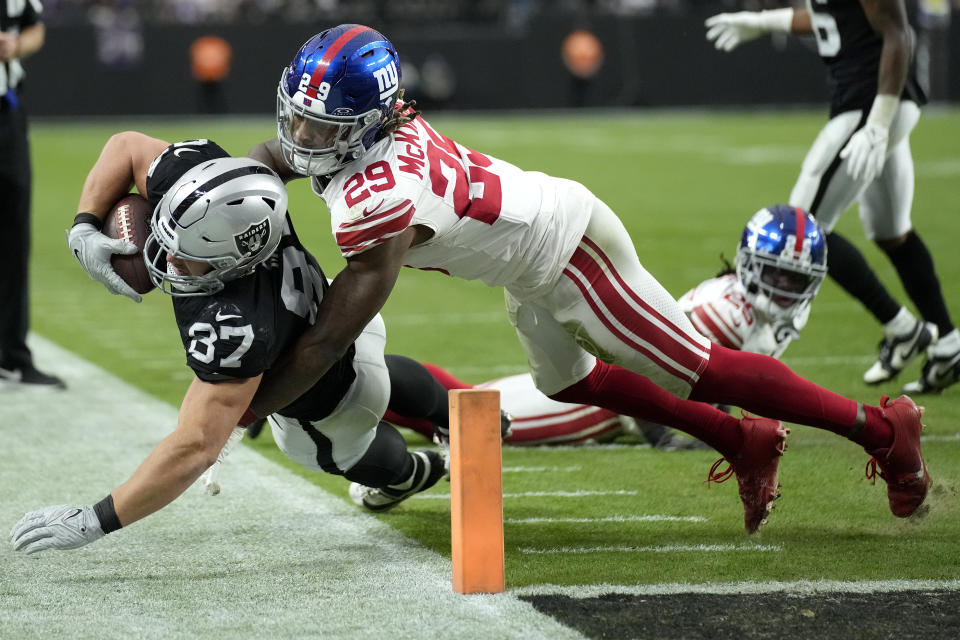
781,260
228,213
334,96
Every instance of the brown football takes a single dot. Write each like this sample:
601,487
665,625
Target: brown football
129,219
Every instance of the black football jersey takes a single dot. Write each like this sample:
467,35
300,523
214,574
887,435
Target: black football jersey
851,50
240,331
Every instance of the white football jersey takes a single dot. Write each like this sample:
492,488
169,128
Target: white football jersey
719,309
490,220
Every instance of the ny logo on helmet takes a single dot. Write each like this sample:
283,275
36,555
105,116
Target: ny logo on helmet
250,242
386,79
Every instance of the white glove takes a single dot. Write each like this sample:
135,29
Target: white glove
728,30
210,477
93,249
59,527
866,151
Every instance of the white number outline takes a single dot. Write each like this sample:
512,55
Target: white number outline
301,302
209,340
826,33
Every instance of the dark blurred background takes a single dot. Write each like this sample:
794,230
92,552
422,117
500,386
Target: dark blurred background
176,57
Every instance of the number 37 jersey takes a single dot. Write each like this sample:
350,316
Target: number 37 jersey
490,220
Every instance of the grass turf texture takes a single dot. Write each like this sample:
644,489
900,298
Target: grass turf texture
684,184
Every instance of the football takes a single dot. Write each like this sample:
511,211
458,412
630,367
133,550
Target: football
129,219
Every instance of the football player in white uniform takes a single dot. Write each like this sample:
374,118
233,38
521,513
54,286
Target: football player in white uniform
760,307
863,155
596,327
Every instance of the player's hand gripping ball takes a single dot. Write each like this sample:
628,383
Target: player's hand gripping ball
129,220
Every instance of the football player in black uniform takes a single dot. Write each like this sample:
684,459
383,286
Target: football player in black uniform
863,155
244,289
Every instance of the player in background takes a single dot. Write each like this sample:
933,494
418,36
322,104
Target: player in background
863,155
243,290
760,306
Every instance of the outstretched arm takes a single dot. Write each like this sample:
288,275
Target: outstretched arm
356,295
207,417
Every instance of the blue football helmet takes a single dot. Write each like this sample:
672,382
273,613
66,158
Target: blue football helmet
334,98
781,261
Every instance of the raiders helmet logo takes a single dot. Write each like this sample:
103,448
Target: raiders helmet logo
250,242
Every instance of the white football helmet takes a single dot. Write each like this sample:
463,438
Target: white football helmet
227,212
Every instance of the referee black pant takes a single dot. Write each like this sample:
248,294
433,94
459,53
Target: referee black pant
15,176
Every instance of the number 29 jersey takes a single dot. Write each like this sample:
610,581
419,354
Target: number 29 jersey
240,331
491,221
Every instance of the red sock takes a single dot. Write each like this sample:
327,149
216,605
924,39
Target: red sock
447,379
627,393
765,386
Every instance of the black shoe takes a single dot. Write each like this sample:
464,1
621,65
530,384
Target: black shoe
429,469
896,352
30,376
939,372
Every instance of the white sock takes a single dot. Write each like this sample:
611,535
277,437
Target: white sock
902,323
946,345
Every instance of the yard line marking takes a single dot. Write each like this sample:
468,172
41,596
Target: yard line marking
535,494
947,437
801,587
252,561
538,469
647,518
674,548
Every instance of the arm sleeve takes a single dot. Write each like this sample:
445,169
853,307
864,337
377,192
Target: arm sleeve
370,223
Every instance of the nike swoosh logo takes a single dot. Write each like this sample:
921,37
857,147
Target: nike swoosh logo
220,317
365,213
177,152
75,513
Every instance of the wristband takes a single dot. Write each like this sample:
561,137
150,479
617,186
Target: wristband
107,515
88,218
777,19
883,111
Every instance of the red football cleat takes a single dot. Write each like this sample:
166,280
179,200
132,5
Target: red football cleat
756,467
902,465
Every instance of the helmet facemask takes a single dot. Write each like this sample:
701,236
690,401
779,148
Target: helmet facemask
780,287
317,144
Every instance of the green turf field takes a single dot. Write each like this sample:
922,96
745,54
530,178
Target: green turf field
684,184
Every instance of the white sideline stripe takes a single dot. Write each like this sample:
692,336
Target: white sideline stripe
674,548
801,587
647,518
536,494
273,555
571,468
